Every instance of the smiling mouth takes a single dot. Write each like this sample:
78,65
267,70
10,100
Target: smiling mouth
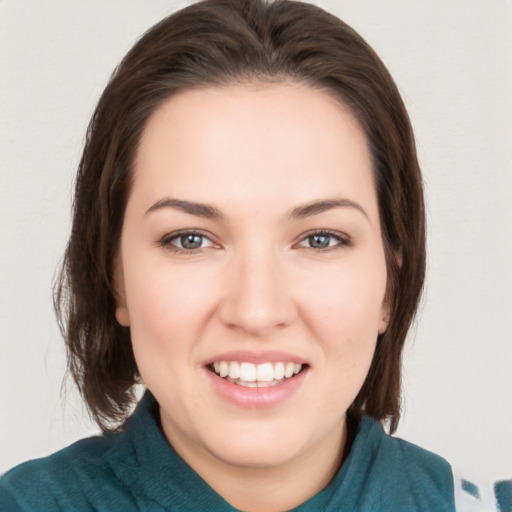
256,375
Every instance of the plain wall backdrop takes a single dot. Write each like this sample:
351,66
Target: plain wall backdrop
452,60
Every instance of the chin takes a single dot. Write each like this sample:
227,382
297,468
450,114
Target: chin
257,445
254,457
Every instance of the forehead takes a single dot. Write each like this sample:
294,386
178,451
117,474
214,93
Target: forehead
276,142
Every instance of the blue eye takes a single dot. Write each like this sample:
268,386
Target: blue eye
324,240
319,241
186,241
191,241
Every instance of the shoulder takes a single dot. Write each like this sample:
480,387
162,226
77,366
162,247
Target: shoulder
97,473
63,481
425,479
422,464
411,458
427,476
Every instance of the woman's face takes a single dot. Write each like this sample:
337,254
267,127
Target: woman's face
251,250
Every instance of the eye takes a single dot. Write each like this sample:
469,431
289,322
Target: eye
187,241
324,240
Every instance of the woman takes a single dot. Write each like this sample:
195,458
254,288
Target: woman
248,242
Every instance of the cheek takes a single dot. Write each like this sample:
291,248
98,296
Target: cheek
166,312
344,316
169,306
346,306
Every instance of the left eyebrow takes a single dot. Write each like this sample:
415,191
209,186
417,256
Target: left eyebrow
193,208
317,207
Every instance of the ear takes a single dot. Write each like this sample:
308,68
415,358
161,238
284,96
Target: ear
122,313
385,312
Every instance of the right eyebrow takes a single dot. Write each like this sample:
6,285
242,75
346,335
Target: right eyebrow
200,209
316,207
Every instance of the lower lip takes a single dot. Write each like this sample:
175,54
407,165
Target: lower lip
254,398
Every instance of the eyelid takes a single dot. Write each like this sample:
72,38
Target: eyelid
343,239
166,240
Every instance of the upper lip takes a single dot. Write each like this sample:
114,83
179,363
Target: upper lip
256,357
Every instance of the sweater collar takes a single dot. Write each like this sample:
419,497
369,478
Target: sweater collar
144,460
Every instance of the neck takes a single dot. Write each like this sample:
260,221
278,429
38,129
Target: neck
273,488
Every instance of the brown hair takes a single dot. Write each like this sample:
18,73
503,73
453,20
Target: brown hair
218,42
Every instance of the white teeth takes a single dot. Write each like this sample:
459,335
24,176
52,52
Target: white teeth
279,371
234,370
255,384
223,369
265,372
256,375
247,372
288,370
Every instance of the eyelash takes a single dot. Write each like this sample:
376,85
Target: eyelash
166,241
343,240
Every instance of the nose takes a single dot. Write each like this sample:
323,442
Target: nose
257,300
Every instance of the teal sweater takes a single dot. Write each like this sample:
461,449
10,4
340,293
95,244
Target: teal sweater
137,470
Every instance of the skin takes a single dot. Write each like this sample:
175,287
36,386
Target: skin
255,153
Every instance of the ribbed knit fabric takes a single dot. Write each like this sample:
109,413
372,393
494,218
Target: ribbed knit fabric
137,470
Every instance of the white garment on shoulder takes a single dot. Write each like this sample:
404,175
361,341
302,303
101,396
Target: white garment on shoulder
474,495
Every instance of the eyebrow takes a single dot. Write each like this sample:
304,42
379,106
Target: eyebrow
317,207
210,212
199,209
